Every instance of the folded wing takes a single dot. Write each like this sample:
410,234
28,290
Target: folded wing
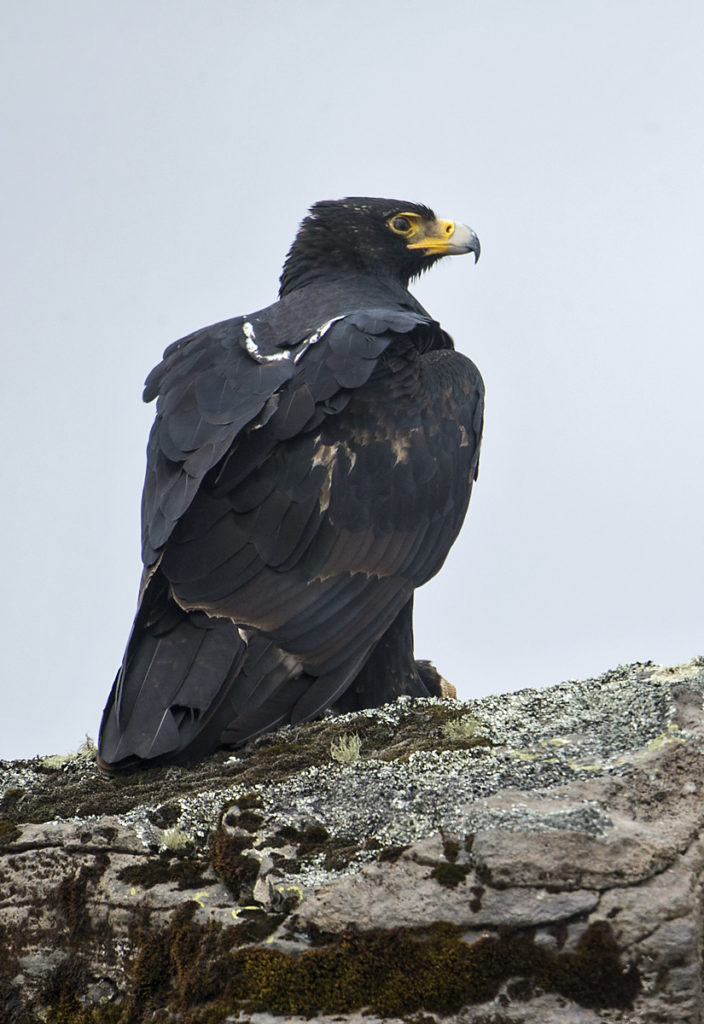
298,489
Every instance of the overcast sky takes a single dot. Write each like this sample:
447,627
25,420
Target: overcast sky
157,158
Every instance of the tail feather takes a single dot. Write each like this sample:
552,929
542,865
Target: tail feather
168,695
190,684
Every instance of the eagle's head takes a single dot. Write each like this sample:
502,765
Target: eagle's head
384,237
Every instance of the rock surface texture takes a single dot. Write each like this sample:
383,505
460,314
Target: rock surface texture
529,857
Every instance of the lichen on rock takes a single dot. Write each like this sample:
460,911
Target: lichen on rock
534,853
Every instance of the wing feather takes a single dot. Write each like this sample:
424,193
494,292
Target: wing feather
299,487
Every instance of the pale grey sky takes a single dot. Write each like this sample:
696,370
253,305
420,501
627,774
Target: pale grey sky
157,158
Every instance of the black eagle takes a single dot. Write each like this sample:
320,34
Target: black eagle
310,465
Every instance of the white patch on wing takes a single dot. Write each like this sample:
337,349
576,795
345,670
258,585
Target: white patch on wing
250,344
315,337
249,336
296,354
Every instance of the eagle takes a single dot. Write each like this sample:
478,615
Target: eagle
309,466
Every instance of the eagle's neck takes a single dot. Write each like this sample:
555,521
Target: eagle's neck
300,272
317,257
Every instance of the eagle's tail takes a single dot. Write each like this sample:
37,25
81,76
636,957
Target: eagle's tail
172,688
184,678
190,684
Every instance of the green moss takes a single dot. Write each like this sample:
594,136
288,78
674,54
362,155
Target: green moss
197,971
450,875
286,835
424,727
475,904
256,927
312,840
12,946
166,815
9,831
451,849
448,872
187,872
151,972
391,853
61,999
237,871
315,842
341,853
286,865
273,758
180,967
416,726
249,800
10,798
201,973
80,790
62,989
70,897
248,820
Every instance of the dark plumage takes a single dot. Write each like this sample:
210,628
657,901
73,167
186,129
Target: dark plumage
309,466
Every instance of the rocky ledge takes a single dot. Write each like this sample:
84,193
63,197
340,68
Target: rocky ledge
528,857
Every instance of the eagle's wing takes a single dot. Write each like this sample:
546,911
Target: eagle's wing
299,493
213,383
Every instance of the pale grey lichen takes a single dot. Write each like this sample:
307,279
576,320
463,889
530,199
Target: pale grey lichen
465,728
346,748
175,839
542,739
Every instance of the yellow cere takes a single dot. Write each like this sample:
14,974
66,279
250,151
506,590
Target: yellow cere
421,233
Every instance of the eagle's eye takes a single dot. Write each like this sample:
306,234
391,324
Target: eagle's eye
401,225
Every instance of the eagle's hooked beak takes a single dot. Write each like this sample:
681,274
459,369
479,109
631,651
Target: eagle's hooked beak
447,238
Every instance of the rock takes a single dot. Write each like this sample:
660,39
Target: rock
529,857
